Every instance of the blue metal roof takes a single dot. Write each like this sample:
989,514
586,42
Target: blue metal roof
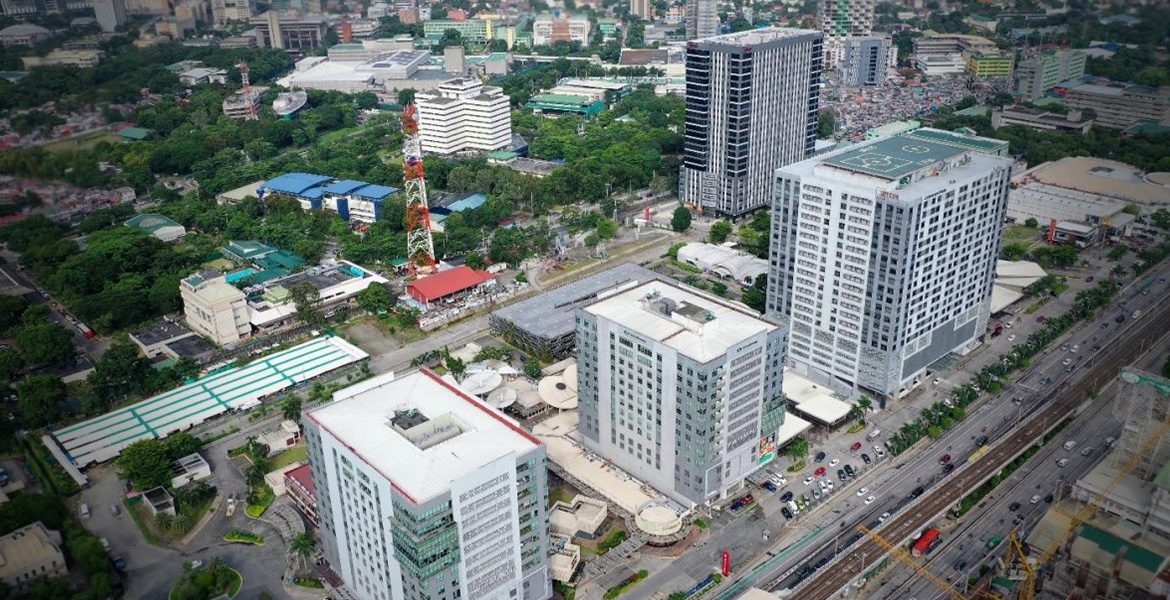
344,186
468,203
375,192
295,183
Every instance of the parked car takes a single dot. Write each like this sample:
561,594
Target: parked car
842,476
862,492
834,462
947,468
820,472
1048,498
786,497
115,510
865,459
816,494
787,513
855,447
819,457
879,452
884,517
918,491
1014,506
83,510
808,480
849,470
771,487
981,441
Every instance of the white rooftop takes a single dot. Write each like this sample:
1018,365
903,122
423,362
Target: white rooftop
700,326
360,417
813,399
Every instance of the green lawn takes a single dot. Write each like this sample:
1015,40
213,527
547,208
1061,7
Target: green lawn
1020,234
340,133
559,494
82,142
292,455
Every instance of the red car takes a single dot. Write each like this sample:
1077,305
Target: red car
1040,319
944,459
855,447
1089,279
820,472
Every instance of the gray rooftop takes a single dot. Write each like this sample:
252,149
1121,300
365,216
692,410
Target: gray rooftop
551,314
160,332
893,158
193,347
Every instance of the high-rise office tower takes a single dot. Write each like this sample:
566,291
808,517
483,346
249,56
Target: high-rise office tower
109,13
702,18
684,388
883,258
751,108
426,493
839,19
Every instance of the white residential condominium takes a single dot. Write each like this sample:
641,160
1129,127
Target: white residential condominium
751,108
840,19
702,19
426,493
883,258
463,115
684,391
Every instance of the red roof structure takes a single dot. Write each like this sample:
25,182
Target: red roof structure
299,484
447,283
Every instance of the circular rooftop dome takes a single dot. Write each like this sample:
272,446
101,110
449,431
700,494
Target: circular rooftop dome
502,398
478,384
1161,178
658,520
24,29
557,393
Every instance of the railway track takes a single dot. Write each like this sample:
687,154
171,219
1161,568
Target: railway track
826,584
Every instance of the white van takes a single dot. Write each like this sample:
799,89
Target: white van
793,507
874,434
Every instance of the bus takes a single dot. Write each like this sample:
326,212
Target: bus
86,331
929,540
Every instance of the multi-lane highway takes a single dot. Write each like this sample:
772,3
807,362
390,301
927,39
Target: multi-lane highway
1038,412
828,534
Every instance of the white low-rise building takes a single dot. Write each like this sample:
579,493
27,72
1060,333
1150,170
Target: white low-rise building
463,115
214,308
941,64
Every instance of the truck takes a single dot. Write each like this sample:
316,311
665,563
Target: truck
929,540
86,331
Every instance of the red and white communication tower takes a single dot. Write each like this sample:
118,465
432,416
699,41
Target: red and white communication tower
248,93
420,247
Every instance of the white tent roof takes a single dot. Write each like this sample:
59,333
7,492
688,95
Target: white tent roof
1003,297
724,261
792,427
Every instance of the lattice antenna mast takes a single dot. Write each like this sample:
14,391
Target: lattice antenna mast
248,93
420,246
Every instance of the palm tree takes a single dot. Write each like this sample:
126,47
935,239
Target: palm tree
181,523
865,403
300,549
856,412
217,562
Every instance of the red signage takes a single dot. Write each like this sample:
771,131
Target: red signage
1051,232
726,563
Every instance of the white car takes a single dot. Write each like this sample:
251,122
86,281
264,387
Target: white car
1062,462
870,499
882,519
829,485
823,484
1035,500
937,380
834,462
1012,337
1087,451
775,479
862,492
808,480
880,453
1066,362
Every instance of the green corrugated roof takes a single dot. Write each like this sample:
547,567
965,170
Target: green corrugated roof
1147,127
1134,554
570,99
150,222
133,133
246,249
974,111
502,155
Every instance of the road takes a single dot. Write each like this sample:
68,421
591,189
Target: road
1039,413
94,348
967,539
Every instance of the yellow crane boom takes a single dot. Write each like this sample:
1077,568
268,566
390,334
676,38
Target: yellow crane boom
904,557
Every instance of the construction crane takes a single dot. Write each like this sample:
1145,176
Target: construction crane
904,557
420,246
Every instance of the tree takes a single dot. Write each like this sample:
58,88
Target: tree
145,463
88,553
532,368
797,449
10,364
45,344
456,366
681,219
11,307
1014,251
291,408
826,123
606,229
1031,222
720,231
375,299
756,295
1132,209
300,549
120,371
475,260
406,96
40,398
307,300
